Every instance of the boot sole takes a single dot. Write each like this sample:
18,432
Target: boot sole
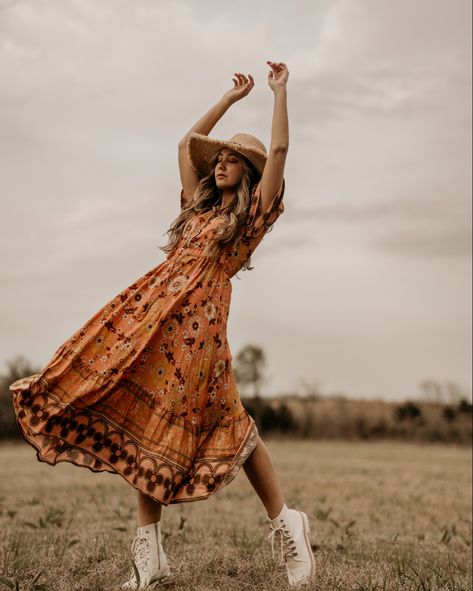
154,581
158,579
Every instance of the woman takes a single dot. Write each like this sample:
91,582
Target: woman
145,388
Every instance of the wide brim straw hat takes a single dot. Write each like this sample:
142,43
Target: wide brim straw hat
201,149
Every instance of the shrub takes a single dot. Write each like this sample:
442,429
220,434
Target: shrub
465,406
269,418
449,413
408,411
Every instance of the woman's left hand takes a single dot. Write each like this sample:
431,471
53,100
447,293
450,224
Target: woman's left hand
278,75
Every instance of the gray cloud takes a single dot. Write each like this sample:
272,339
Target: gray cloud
428,241
95,96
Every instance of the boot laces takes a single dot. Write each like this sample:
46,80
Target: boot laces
287,543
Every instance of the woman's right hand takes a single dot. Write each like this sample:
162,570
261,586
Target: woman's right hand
242,86
278,75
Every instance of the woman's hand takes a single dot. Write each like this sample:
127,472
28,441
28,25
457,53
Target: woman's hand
242,86
278,75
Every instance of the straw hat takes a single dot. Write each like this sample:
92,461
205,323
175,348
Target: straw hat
201,148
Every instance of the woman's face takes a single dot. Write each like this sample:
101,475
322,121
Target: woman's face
229,169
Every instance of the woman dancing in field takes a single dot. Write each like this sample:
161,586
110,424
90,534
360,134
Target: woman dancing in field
145,388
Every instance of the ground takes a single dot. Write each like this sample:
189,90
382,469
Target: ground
384,516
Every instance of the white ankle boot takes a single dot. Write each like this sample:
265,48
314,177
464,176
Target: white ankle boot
293,528
149,558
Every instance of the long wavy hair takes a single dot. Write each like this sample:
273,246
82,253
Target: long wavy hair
208,197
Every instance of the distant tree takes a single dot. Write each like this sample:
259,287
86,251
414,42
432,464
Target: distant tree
465,406
311,389
408,411
449,413
338,396
454,393
362,427
432,391
286,421
276,419
248,368
17,368
256,408
435,392
268,418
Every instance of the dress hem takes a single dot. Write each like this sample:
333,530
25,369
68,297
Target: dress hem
96,463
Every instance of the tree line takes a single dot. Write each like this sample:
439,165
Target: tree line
443,413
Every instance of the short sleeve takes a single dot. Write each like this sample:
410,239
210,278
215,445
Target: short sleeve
259,220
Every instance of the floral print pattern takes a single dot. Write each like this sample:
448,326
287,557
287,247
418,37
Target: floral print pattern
145,389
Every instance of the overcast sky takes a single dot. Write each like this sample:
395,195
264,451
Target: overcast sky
364,285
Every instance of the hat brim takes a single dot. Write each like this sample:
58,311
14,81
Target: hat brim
201,149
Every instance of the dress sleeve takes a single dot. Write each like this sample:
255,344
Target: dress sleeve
260,220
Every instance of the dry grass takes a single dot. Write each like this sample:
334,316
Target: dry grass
384,516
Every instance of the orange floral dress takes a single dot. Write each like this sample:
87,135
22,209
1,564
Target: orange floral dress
145,389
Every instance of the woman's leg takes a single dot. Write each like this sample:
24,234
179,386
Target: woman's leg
262,475
149,511
292,525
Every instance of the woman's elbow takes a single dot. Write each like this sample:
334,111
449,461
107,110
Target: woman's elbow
280,149
183,142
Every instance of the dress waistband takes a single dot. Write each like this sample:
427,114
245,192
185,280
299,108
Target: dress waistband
180,254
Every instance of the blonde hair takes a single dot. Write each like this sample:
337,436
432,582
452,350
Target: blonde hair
208,197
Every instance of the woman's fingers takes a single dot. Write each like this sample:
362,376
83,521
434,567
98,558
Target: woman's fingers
242,82
278,70
278,73
250,82
277,66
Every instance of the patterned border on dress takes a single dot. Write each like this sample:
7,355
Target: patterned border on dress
52,437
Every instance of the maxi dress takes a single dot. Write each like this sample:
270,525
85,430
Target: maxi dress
145,389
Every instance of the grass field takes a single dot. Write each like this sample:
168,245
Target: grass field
384,515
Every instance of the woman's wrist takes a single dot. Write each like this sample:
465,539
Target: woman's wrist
226,101
281,89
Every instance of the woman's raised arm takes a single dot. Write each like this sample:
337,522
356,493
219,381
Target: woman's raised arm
273,173
189,179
